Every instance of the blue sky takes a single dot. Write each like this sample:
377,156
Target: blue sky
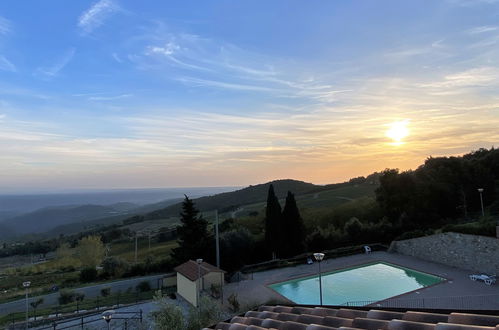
115,93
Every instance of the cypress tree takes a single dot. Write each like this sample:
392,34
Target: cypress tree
293,228
194,238
273,223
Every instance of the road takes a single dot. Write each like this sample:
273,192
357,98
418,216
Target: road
89,291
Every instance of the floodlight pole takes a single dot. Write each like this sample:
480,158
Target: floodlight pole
217,239
27,285
480,190
199,261
136,237
319,257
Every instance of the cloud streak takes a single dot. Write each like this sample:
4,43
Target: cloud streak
61,62
5,26
6,65
96,15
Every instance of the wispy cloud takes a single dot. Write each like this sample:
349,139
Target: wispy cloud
6,65
482,29
5,26
109,98
53,70
96,15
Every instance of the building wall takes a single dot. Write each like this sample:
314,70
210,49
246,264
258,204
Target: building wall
170,280
187,289
212,278
479,254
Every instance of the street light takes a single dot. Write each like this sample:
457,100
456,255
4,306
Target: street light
27,285
319,257
480,190
199,261
107,316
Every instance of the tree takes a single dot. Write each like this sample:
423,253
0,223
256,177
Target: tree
272,222
115,266
292,228
167,316
236,247
90,250
194,239
35,305
88,274
65,256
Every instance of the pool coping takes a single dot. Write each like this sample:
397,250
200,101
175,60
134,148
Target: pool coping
444,280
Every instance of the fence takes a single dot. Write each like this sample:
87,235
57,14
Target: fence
83,307
483,302
126,319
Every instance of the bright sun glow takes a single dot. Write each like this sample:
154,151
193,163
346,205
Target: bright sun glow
397,131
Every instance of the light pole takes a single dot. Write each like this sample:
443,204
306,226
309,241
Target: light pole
319,257
26,285
199,261
480,190
107,316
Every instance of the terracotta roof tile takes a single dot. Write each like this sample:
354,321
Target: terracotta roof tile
190,269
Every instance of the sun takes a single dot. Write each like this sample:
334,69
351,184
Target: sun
398,131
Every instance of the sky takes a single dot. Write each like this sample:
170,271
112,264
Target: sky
128,94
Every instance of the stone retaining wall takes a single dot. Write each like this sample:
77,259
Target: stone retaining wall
478,254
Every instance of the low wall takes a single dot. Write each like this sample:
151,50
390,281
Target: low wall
479,254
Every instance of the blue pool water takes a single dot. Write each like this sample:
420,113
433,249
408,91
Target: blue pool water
372,282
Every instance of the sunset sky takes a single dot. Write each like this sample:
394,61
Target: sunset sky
125,93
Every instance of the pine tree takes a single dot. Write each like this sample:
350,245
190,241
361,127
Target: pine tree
194,238
292,228
273,223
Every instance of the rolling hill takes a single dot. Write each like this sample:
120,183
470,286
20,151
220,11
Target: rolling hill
48,218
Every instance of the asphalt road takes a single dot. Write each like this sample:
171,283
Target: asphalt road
89,291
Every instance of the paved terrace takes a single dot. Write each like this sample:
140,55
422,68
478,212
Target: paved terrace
255,291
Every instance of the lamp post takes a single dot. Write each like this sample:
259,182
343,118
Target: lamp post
319,257
199,261
26,285
107,316
480,190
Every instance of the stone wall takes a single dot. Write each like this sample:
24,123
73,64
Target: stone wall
478,254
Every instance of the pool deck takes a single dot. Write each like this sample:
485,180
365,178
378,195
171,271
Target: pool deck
458,284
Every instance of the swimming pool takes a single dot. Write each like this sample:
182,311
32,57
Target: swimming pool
370,282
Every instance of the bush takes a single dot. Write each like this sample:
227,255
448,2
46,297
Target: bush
115,267
167,316
473,228
105,292
233,303
143,286
88,274
66,297
209,313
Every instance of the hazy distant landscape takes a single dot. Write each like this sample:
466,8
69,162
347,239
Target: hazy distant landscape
26,214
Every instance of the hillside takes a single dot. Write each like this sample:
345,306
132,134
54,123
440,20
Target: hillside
49,218
230,201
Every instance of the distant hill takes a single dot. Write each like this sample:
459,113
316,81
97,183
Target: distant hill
49,218
228,201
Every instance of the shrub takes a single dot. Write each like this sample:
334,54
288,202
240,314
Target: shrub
143,286
209,313
115,267
88,274
167,316
233,303
66,297
105,292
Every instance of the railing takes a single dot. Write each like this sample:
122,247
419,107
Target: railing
484,302
124,319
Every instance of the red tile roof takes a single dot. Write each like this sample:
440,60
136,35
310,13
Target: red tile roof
190,269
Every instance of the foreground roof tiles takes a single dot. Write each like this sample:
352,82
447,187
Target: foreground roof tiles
320,318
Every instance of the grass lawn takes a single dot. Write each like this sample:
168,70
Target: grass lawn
126,249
